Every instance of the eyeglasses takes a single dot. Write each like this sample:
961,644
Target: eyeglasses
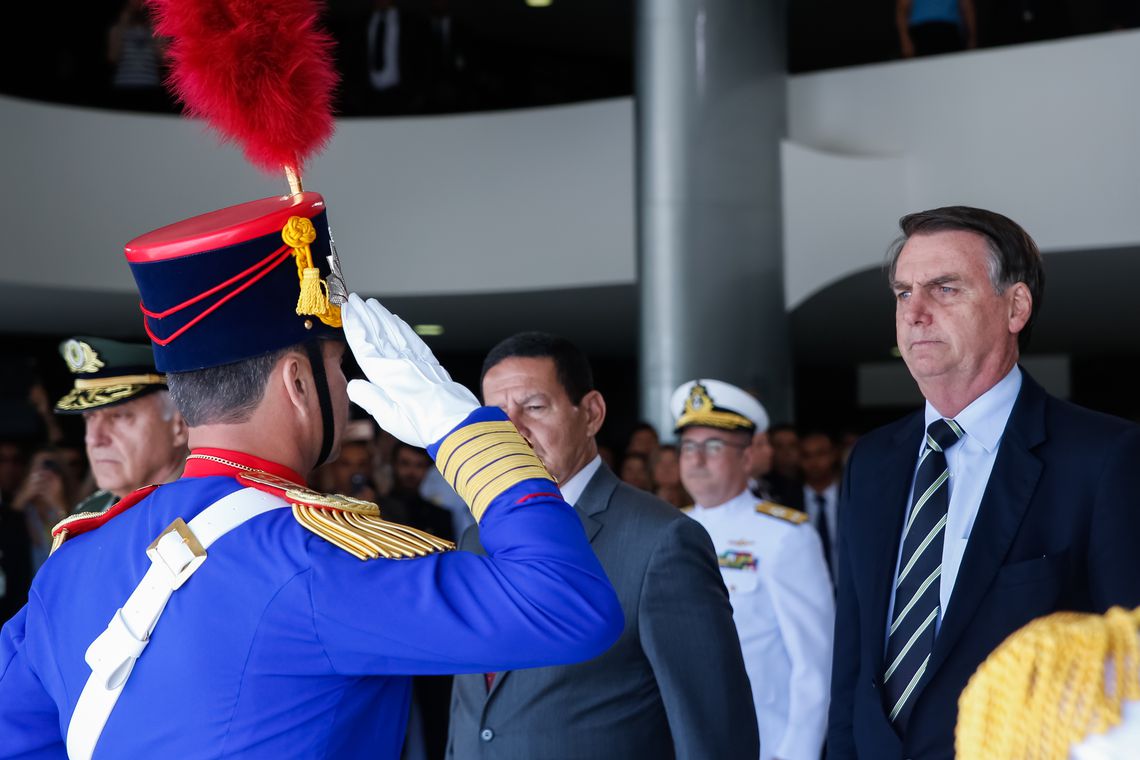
712,447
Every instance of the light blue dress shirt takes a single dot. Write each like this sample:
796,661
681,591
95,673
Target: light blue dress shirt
970,462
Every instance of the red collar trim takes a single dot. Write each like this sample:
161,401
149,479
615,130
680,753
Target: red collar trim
202,468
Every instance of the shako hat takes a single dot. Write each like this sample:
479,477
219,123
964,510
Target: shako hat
239,282
716,404
245,280
249,279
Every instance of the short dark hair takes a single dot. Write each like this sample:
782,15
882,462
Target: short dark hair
818,433
570,364
227,394
782,427
1013,258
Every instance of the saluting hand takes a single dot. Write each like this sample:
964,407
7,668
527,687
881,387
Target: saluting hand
407,392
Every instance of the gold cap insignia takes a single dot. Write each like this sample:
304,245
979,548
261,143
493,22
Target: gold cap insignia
700,410
80,357
698,400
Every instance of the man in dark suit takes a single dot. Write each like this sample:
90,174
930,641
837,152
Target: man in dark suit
819,460
1012,505
674,685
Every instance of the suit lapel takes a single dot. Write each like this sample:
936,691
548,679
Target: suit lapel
499,678
1004,503
589,524
883,528
594,500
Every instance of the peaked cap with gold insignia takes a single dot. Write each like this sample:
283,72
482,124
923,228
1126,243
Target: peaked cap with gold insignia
107,372
716,404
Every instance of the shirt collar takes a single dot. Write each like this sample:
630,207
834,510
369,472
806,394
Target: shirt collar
744,497
572,489
202,468
829,493
984,419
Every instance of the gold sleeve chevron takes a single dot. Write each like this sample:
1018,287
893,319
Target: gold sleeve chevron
484,459
1056,681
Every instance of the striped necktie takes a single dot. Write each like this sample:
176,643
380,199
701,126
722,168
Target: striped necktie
917,602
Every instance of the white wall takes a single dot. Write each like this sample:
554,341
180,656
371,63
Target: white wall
512,200
535,199
1048,134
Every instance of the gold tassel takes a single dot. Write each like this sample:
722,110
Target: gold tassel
313,299
1052,683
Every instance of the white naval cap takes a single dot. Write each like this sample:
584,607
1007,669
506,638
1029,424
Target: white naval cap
712,403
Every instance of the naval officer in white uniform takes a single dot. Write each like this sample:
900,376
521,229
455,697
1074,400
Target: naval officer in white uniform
772,562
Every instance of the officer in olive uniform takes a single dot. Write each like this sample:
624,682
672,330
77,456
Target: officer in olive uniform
772,562
134,435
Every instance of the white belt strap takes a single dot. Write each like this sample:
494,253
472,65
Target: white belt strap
175,555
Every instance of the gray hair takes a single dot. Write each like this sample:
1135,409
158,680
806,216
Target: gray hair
167,409
1013,256
224,395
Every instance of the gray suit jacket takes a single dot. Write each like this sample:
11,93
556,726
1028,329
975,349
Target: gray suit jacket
673,685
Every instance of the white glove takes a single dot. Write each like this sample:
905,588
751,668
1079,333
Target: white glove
410,395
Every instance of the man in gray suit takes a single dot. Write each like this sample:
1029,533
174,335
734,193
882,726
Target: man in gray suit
674,684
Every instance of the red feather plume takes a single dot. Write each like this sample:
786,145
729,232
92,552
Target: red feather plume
260,72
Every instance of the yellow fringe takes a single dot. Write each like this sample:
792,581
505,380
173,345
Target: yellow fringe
313,299
368,536
1049,685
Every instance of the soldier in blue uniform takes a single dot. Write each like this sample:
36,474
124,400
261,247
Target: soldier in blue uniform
266,620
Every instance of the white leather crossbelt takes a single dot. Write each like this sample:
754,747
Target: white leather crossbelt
175,555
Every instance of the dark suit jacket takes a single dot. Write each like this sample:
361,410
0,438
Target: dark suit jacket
674,684
1057,529
788,492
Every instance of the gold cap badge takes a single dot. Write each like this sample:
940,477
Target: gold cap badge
80,357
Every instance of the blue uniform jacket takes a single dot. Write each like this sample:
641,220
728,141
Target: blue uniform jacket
283,645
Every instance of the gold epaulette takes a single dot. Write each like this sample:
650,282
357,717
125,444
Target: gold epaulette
787,514
352,524
689,508
1051,684
484,459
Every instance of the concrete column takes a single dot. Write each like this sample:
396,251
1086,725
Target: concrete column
710,89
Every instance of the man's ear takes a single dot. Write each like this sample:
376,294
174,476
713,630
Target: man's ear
595,408
1020,306
295,377
179,430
